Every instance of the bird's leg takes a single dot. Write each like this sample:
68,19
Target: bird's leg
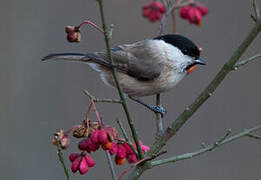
156,109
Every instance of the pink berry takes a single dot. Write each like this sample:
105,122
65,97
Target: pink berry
132,158
203,10
121,153
184,12
83,145
146,12
102,137
73,156
114,148
83,168
94,137
145,148
128,149
89,160
197,17
75,164
153,11
91,147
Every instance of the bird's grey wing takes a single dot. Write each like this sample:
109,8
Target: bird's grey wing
136,60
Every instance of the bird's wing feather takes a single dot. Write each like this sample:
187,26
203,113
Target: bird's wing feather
136,60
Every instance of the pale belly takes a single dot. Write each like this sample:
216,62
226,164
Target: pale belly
137,88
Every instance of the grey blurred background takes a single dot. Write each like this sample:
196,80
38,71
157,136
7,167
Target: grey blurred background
38,98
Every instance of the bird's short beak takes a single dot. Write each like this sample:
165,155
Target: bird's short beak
200,61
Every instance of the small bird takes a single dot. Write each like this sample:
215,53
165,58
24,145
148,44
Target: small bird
145,68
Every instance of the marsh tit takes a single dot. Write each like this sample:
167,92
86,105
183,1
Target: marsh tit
145,68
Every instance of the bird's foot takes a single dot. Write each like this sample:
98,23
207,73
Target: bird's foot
158,109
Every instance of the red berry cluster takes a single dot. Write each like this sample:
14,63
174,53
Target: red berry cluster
153,11
81,162
124,151
99,137
193,13
106,138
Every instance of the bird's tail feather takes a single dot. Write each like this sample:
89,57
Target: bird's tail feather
78,57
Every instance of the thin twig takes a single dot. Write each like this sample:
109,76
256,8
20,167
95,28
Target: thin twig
221,142
244,62
112,169
256,10
222,139
60,155
126,137
254,136
140,162
97,100
253,18
92,24
111,31
114,73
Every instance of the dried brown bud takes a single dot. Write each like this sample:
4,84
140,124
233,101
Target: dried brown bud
74,36
62,138
82,131
69,29
95,125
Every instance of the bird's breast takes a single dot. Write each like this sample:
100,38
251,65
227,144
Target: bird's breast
168,78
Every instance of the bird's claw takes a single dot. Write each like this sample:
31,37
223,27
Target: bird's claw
159,109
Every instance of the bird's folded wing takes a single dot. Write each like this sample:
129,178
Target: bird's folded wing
136,60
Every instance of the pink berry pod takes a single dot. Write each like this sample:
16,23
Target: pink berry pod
153,11
131,158
73,156
158,15
89,160
197,17
102,137
128,148
83,145
114,148
160,6
75,164
83,167
203,10
184,12
95,137
121,153
153,17
146,12
145,148
91,147
191,13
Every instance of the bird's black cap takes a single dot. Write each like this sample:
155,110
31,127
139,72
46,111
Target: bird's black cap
186,46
